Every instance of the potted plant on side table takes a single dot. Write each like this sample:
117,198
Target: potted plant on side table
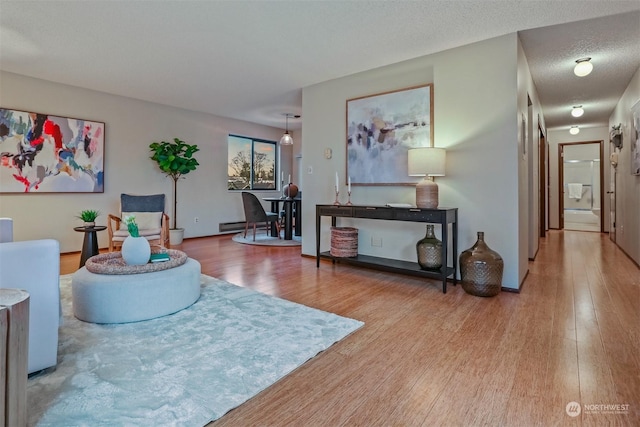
89,217
175,159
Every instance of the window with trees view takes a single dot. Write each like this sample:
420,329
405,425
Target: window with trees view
252,164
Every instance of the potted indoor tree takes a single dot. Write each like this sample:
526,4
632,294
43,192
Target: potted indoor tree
174,159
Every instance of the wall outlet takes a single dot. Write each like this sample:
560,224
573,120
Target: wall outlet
376,241
196,219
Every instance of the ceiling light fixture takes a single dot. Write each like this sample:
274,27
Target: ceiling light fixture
583,67
286,138
574,130
577,111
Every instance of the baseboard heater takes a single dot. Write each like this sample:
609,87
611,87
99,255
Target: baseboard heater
227,227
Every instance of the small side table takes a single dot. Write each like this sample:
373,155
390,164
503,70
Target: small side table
14,331
90,244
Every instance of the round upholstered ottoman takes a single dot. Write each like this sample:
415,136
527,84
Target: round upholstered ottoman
123,298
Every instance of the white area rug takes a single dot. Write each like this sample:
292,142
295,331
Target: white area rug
265,239
185,369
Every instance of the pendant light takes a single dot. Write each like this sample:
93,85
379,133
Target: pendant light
286,138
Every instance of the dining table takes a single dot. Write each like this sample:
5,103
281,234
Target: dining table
289,205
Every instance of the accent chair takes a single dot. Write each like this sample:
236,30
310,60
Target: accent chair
153,223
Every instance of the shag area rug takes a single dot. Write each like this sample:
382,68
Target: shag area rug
265,239
184,369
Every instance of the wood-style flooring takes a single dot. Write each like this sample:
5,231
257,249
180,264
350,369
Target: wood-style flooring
425,358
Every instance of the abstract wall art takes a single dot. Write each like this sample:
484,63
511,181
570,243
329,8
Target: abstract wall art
41,153
382,128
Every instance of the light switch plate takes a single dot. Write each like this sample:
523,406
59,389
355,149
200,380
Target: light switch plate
328,153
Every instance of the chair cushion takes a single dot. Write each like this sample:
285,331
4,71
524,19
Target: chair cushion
145,220
145,203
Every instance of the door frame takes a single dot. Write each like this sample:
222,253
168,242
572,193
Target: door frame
561,180
611,191
543,190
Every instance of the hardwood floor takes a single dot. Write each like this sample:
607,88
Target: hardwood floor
425,358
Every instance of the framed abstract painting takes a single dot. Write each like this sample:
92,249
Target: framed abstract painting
42,153
381,129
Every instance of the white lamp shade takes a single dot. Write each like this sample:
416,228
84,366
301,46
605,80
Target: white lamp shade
426,161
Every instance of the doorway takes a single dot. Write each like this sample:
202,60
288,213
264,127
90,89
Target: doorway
581,196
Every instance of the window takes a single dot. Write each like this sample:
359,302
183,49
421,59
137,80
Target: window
252,164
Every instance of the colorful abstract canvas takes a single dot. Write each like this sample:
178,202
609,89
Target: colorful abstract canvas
41,153
380,131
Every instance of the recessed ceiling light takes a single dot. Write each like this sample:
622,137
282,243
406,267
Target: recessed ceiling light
574,130
577,111
583,67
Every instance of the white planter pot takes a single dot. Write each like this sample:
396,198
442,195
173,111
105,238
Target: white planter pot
175,236
136,250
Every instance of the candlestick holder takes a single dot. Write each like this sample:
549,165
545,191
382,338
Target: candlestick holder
337,202
349,201
283,188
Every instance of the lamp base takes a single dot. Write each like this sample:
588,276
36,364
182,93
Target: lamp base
427,194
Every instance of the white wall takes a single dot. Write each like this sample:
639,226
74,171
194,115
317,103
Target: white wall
474,119
529,121
560,136
627,185
131,125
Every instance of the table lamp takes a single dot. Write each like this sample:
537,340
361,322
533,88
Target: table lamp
427,162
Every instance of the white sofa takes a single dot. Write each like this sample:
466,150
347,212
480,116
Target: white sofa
34,266
6,230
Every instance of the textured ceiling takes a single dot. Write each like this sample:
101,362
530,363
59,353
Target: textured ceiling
613,43
249,59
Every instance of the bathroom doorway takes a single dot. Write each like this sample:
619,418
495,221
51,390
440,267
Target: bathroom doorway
581,196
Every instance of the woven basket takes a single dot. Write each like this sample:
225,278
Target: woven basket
344,242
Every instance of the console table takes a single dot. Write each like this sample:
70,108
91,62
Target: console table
442,216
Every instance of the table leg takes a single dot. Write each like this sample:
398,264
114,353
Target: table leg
89,247
445,262
318,222
298,230
288,219
274,208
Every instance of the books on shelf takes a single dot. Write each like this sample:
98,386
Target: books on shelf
160,257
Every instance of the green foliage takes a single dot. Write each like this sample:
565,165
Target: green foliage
132,226
174,158
88,215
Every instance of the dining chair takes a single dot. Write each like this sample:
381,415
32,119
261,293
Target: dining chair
254,213
153,223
